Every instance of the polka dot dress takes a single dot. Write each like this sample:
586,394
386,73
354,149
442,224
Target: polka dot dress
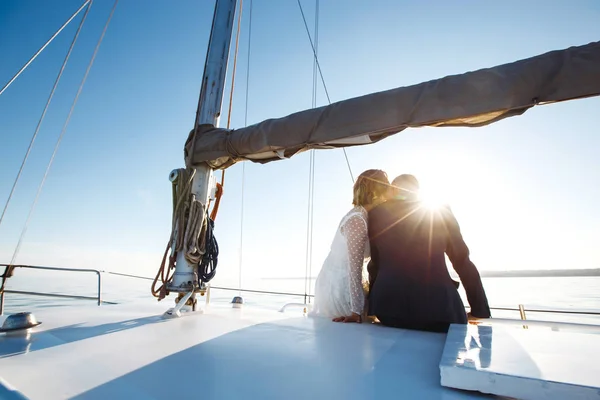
339,287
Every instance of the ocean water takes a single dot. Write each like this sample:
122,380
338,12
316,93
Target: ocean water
547,293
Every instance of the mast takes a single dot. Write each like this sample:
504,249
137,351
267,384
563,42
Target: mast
208,112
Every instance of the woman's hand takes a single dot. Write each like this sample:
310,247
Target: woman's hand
351,318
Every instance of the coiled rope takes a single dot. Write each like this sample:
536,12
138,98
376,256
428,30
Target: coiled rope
181,191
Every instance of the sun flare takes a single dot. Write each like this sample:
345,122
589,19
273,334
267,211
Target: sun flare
432,201
432,197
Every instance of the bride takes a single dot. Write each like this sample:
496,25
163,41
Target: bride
339,292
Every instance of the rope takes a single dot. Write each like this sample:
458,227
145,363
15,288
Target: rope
181,190
163,274
219,193
208,266
37,128
248,64
62,133
192,245
322,78
191,233
237,42
43,47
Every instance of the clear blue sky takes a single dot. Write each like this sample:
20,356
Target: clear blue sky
525,190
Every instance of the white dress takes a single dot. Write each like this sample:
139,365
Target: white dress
339,287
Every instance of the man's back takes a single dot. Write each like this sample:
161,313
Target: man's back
411,279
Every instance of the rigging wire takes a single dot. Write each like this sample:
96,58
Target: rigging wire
322,79
312,194
311,174
308,254
43,47
39,124
8,271
62,133
244,164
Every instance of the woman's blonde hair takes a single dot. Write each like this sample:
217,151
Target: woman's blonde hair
370,186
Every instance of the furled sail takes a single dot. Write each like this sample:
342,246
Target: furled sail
472,99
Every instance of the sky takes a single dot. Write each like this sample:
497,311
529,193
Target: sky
524,190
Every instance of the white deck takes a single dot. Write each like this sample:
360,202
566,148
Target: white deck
130,352
533,363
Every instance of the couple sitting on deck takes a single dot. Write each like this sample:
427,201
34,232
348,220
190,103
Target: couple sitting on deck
409,285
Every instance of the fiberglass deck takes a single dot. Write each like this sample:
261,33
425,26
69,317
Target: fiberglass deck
130,352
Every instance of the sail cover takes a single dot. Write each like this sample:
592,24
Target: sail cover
471,99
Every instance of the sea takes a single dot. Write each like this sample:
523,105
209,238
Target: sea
565,295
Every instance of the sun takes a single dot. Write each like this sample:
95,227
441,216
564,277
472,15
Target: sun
433,197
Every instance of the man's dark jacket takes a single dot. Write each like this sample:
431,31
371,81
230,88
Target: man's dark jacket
408,276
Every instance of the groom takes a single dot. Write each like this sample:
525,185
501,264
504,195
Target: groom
410,286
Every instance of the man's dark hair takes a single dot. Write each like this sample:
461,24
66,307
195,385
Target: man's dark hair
406,182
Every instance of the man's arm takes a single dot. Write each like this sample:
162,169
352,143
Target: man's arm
458,253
